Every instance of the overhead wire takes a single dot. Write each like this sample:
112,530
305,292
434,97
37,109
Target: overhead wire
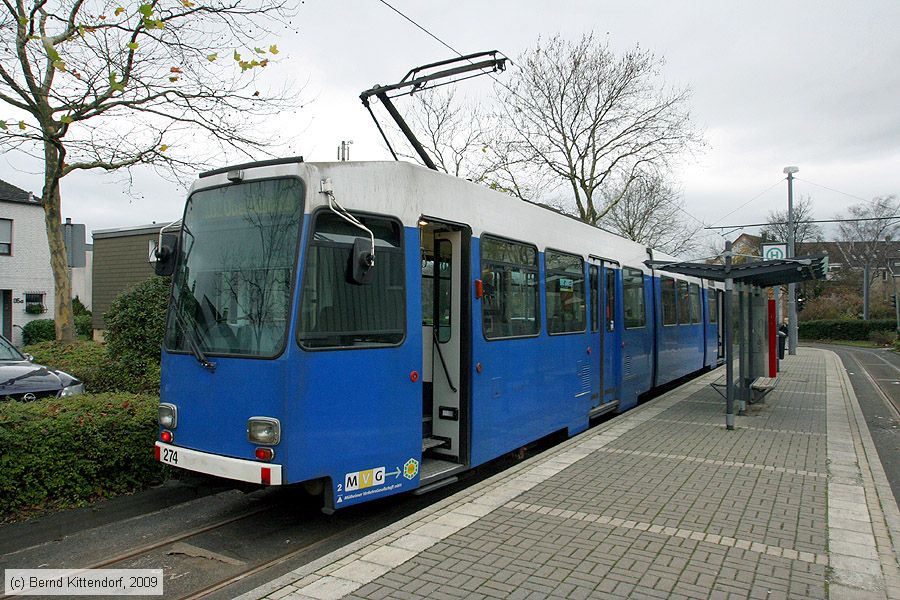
824,187
491,75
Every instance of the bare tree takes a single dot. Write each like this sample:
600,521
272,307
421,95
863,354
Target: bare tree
650,211
583,115
455,133
805,231
97,84
865,240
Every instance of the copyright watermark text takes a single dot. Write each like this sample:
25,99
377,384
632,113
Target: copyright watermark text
83,582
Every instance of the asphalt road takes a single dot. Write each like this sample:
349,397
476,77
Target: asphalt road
875,376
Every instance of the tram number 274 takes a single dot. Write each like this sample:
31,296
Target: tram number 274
169,456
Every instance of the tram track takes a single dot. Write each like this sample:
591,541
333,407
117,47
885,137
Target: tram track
176,538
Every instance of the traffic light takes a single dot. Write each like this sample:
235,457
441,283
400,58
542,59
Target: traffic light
893,300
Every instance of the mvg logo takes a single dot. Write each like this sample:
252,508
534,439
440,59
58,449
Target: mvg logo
363,479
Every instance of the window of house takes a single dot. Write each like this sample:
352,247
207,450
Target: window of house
510,303
337,313
633,297
667,293
5,237
34,303
684,303
565,292
696,310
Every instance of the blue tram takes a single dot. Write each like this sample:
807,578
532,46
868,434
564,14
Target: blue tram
375,328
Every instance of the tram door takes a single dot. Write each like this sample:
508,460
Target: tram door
596,346
612,335
444,340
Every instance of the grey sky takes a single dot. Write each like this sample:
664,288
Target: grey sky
775,83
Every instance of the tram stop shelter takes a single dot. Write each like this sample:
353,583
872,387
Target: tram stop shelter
756,340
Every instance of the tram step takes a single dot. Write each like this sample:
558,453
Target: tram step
431,443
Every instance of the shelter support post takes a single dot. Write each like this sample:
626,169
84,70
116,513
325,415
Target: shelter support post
729,347
743,347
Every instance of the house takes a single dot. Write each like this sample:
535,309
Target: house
120,261
26,280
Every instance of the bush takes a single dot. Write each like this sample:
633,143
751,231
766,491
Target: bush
59,452
883,338
78,308
842,329
84,326
39,330
136,323
90,362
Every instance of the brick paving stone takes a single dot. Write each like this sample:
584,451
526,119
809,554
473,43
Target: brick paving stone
663,504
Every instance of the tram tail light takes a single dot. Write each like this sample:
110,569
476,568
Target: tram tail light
264,430
265,454
166,437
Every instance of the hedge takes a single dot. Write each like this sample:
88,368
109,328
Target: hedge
60,452
39,330
843,329
90,362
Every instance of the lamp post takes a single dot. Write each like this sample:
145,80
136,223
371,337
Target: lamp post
792,287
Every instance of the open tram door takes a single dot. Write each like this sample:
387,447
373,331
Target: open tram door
605,336
446,343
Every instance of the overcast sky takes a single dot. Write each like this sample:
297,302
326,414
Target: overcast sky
810,83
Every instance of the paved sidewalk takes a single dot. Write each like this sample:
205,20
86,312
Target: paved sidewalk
662,502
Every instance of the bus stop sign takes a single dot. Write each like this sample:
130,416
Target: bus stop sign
774,251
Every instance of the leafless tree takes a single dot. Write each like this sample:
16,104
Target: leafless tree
805,231
868,239
650,211
585,115
455,133
98,84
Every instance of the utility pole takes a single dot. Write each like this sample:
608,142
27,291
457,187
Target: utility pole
792,287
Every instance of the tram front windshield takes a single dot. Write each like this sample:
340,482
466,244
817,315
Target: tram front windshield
233,280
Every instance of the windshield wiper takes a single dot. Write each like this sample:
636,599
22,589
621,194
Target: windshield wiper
191,339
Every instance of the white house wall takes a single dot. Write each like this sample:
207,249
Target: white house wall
27,270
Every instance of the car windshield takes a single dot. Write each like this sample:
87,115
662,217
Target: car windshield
8,351
233,281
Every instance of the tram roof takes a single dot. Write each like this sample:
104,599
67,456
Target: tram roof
764,273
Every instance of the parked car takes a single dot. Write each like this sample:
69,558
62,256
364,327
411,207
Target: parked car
23,379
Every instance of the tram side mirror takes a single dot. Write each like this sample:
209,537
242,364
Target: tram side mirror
165,254
362,262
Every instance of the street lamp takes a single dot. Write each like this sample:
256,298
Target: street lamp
792,287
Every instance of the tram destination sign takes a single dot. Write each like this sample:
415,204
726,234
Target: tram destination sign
774,251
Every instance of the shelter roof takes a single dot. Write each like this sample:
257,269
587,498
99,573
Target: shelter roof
764,273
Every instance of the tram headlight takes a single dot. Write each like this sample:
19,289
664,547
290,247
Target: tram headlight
168,416
264,430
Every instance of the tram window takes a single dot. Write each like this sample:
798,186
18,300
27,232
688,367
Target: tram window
696,311
667,293
565,292
633,298
336,313
510,304
711,305
594,273
610,300
684,303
